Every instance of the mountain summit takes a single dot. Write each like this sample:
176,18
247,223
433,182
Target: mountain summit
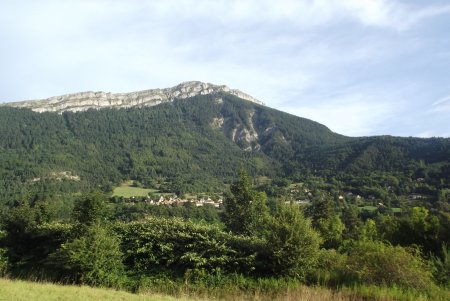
96,100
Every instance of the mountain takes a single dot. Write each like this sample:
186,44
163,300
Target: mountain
96,100
195,140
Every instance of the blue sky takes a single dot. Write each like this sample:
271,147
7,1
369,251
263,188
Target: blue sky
361,67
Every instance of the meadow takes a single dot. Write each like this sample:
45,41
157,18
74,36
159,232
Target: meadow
127,190
18,290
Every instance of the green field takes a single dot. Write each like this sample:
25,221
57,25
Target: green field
126,190
29,291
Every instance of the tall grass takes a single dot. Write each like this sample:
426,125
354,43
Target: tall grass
18,290
236,289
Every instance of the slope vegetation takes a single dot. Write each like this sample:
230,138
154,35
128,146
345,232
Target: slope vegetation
194,144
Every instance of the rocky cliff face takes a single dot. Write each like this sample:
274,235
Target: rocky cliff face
97,100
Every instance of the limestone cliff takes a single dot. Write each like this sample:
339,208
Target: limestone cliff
96,100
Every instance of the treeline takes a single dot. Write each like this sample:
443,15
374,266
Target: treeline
249,243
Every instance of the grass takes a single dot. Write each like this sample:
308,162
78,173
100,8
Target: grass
18,290
126,190
309,293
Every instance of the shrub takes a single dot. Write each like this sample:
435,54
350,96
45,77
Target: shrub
292,243
94,258
156,244
441,266
375,262
330,268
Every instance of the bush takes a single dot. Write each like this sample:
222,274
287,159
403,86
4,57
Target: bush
94,258
292,243
441,266
378,263
330,268
157,244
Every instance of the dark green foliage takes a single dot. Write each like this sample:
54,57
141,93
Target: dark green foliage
179,148
4,262
28,245
245,208
351,220
417,227
90,209
441,266
326,221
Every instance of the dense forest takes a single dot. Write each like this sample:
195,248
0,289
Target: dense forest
197,144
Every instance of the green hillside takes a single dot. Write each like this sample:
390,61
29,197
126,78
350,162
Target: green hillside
196,145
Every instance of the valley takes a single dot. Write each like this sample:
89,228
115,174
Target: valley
200,189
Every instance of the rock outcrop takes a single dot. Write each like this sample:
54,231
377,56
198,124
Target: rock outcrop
97,100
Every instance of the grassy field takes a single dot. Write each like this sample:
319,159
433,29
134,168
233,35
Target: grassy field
126,190
16,290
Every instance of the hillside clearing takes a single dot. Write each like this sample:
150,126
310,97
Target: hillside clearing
126,190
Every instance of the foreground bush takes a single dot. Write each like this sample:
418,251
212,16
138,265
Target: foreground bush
158,244
378,263
292,243
441,267
94,258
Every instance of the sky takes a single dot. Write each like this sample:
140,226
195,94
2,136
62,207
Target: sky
361,67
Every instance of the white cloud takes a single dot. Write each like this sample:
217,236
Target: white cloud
441,106
398,15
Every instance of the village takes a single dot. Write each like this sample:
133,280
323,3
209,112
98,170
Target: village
175,201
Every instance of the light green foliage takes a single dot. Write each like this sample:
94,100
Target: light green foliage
375,262
331,230
292,243
94,258
330,268
156,244
368,231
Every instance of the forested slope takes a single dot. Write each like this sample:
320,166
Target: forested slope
195,144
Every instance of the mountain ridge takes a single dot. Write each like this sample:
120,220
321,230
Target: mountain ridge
82,101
